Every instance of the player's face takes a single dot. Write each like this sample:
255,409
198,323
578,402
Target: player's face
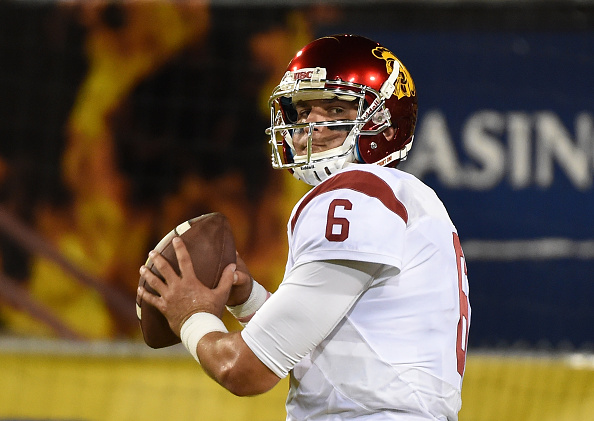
318,110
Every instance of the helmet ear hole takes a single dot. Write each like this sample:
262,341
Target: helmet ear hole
390,133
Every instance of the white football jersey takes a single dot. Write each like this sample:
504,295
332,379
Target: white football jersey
399,352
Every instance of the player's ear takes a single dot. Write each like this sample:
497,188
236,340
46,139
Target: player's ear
389,133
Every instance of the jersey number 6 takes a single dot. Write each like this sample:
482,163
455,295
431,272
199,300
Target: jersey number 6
333,221
463,322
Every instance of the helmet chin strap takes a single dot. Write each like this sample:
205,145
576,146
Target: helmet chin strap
324,164
399,155
316,172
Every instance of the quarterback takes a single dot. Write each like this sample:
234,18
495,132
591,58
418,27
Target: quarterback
372,316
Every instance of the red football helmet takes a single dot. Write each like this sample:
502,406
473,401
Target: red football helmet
352,68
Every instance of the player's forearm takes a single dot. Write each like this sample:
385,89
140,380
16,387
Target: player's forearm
227,359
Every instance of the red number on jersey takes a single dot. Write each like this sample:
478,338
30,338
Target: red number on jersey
463,322
333,220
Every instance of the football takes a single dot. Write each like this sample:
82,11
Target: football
211,245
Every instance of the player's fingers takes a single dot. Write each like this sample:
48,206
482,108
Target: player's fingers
183,257
228,278
153,280
242,277
241,264
163,266
147,297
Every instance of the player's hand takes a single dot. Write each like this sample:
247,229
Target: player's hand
182,295
242,283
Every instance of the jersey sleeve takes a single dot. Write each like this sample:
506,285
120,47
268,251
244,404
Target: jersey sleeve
353,216
307,306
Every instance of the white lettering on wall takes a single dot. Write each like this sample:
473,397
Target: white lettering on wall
519,131
518,148
434,151
481,139
554,145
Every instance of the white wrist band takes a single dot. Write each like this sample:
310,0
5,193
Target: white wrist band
244,312
198,325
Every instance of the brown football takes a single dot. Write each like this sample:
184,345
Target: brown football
210,242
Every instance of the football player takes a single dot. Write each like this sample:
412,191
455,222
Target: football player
371,318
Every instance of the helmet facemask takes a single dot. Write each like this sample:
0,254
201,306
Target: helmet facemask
308,84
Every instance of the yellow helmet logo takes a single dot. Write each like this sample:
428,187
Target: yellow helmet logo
404,84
